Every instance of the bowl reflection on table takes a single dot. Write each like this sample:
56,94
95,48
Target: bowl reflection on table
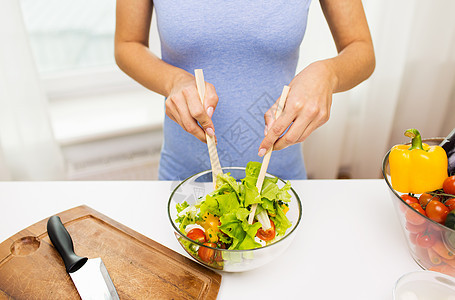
440,257
199,185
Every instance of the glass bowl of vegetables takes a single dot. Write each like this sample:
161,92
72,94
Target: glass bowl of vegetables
213,225
427,220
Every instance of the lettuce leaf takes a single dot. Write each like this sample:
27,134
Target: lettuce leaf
181,206
252,173
251,194
251,230
249,242
283,193
252,169
282,223
227,203
210,204
269,188
232,227
186,215
225,178
242,214
269,206
235,225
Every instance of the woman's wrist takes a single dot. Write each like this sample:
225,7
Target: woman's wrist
177,77
328,69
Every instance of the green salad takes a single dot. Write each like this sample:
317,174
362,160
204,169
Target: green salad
220,219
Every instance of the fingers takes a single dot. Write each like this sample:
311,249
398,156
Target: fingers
276,130
196,109
269,117
177,110
311,119
211,99
186,109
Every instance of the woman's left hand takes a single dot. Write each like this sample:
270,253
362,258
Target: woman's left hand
307,107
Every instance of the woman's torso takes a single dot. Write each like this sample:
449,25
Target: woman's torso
248,51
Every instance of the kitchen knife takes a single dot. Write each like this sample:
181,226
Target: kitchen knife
90,276
449,145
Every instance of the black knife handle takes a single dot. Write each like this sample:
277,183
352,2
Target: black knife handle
449,140
64,244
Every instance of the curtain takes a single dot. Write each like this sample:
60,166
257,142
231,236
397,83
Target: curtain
28,148
413,86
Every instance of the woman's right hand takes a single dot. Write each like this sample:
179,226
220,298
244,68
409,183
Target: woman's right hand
184,106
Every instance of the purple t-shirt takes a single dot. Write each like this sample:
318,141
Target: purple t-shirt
248,49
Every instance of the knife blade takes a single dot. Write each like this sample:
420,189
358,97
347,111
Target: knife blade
90,276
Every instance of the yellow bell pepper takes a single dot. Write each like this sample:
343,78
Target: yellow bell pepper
419,168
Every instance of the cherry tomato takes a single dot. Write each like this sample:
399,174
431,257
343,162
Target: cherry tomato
450,203
197,234
449,185
437,211
425,239
413,217
267,235
207,254
425,198
415,228
409,199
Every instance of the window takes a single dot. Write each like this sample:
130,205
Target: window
73,46
70,35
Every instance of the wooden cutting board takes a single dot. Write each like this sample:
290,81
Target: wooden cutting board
31,268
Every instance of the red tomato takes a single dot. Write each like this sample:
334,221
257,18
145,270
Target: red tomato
449,185
197,234
425,198
450,203
437,211
267,235
207,254
413,217
415,228
409,199
425,239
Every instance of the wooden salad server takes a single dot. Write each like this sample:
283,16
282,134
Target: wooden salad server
265,164
211,143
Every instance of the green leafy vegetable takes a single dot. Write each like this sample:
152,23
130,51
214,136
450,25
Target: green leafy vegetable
231,203
186,215
282,223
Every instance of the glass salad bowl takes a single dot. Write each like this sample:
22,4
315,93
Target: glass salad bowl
431,245
191,190
424,285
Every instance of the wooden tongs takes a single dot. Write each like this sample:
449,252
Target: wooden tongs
211,144
265,164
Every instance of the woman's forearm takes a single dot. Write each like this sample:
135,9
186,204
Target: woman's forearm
355,61
354,64
136,60
132,54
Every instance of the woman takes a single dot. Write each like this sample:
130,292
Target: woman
248,51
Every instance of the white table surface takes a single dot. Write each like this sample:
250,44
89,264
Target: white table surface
349,244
